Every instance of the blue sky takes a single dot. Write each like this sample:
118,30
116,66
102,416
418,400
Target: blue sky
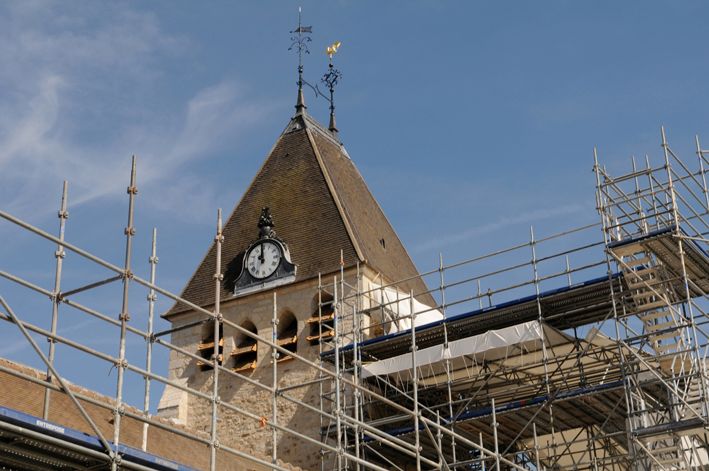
470,121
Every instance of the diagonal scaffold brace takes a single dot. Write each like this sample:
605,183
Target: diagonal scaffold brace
58,377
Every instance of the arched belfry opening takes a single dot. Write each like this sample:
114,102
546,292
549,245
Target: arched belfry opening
205,349
322,323
287,334
245,353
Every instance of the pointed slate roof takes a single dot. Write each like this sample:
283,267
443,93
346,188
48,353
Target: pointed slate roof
320,205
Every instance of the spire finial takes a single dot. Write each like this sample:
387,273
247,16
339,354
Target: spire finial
265,223
300,43
331,78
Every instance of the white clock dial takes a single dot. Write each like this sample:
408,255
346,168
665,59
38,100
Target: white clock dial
263,259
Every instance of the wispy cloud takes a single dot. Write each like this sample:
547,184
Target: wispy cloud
10,347
499,224
79,100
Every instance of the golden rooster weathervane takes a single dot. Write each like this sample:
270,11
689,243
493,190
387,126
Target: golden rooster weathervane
331,79
332,49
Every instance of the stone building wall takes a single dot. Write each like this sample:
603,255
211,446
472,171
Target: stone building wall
234,429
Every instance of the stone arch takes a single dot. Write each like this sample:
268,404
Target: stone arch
287,333
245,353
322,323
205,349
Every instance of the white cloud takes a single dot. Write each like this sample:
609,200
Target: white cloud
79,84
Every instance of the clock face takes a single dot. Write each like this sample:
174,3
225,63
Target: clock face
263,259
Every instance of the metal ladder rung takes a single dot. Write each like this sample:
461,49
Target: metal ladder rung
627,250
664,449
662,326
673,460
642,268
665,347
639,272
644,285
650,305
695,386
642,260
647,316
648,294
671,334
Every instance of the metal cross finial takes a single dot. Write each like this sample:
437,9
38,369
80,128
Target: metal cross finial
331,79
300,43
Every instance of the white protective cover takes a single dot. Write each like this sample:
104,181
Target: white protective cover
478,344
398,305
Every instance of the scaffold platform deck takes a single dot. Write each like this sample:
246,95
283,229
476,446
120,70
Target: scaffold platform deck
597,402
665,245
562,308
26,439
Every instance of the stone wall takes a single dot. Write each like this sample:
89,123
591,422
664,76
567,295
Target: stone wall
238,430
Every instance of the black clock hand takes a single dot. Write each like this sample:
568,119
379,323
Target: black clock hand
261,258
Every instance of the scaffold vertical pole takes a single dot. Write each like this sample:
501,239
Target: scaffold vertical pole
356,363
494,436
651,185
344,405
540,319
482,455
446,354
321,376
699,363
607,239
439,440
338,403
414,378
59,254
536,446
274,381
152,297
591,448
700,156
480,295
216,356
358,392
124,317
641,213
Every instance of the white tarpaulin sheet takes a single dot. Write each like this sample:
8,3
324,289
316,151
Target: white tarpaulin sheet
475,345
398,306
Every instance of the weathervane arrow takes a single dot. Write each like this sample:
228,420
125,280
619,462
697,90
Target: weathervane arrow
300,43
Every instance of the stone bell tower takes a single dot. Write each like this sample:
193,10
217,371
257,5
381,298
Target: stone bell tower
307,215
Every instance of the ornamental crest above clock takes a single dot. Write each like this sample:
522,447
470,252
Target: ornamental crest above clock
264,264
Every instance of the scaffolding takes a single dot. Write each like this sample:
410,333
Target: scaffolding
606,373
584,349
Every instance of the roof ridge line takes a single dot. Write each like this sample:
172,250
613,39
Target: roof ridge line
393,230
335,196
309,120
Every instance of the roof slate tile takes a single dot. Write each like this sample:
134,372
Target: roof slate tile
320,206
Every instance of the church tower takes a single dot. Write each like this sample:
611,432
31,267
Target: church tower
306,217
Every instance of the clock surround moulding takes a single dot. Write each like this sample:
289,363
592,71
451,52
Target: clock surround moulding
266,263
